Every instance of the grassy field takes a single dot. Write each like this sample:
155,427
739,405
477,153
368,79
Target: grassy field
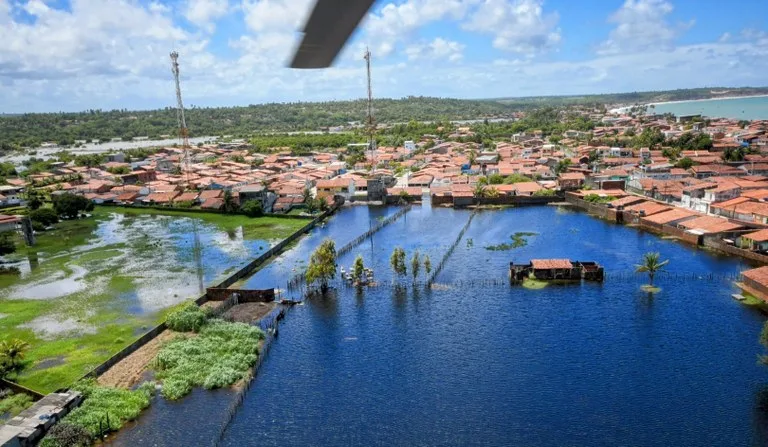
91,286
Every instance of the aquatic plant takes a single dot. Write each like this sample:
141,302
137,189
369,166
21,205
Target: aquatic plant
358,269
220,355
518,240
189,318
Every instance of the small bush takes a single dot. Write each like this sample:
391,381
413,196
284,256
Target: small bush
252,208
44,216
104,409
65,434
189,318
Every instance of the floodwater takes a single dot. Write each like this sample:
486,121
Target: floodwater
475,361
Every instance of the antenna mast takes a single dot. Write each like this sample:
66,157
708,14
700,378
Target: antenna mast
183,131
370,123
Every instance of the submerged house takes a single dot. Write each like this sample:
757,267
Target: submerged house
556,269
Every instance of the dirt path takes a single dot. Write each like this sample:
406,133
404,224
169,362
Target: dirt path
249,312
127,372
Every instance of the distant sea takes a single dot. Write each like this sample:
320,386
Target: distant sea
748,108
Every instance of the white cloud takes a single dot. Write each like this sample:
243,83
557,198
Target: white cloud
275,15
757,37
519,26
204,13
394,23
642,25
439,49
725,37
94,37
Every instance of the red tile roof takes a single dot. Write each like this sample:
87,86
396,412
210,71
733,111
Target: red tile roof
551,264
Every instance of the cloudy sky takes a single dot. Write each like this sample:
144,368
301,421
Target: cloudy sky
80,54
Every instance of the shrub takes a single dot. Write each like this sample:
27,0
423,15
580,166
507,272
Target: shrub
104,409
70,205
44,216
7,246
189,318
252,208
13,404
219,356
65,434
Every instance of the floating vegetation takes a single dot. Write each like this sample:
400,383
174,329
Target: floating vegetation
518,240
650,289
470,243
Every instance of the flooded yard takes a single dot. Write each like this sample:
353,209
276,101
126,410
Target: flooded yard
90,286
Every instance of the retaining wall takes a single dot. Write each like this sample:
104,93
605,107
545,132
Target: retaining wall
18,389
717,244
125,352
245,296
197,210
597,209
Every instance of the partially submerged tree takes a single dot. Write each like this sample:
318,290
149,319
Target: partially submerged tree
427,264
358,269
415,265
397,261
322,265
651,264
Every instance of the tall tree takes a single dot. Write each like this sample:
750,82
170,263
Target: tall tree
322,265
397,261
415,264
651,264
230,205
358,269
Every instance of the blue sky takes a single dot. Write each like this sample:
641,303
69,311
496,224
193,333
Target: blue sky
81,54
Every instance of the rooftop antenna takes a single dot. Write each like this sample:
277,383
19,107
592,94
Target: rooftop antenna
370,124
182,122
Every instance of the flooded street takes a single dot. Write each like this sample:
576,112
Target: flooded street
475,361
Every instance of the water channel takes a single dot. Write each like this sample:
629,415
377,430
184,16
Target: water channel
473,362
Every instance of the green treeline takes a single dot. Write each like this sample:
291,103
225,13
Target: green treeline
30,130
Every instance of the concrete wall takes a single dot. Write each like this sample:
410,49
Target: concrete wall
125,352
717,244
197,210
246,296
600,210
18,389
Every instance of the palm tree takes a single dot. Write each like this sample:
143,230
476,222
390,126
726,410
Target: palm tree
12,354
651,263
479,191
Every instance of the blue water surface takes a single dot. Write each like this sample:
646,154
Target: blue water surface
475,361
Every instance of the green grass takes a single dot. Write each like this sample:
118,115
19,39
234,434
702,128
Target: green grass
101,306
220,355
534,284
268,227
12,405
105,409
